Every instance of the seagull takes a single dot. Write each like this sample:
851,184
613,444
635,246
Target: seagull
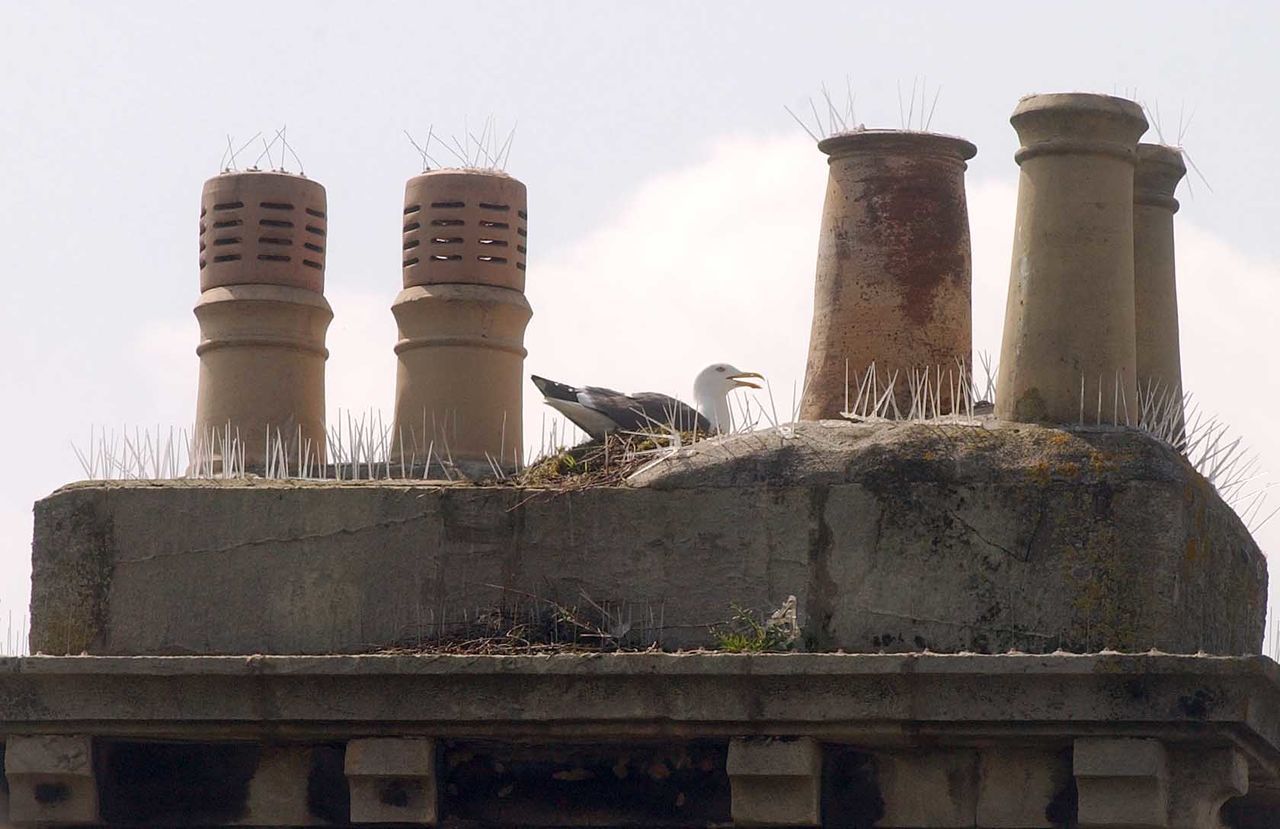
599,411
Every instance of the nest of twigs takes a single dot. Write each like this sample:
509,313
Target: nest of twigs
607,462
540,626
506,645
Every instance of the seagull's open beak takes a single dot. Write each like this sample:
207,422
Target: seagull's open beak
738,382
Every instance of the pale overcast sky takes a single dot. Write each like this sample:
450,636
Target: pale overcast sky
665,181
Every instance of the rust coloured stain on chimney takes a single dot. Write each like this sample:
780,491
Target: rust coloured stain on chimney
893,279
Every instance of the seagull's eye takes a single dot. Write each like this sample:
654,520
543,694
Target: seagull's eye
720,369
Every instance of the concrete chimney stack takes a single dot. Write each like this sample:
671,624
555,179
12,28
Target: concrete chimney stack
1069,321
1155,294
894,268
461,317
262,311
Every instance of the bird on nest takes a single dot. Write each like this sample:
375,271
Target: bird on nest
599,411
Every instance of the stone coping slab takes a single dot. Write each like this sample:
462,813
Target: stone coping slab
906,538
869,699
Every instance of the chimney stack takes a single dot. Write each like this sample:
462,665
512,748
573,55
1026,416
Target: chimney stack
1069,339
894,270
461,318
262,313
1155,293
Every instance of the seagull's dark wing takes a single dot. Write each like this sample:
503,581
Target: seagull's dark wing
644,411
589,409
553,390
597,410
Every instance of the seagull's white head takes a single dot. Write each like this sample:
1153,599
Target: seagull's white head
711,392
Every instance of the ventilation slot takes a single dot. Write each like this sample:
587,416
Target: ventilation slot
202,264
449,205
522,231
272,257
229,205
491,206
522,214
271,240
275,223
311,264
409,263
447,223
310,246
442,257
497,225
202,246
202,229
230,257
521,249
497,243
319,214
411,245
275,205
319,231
519,266
451,240
228,223
226,240
203,210
497,260
412,226
413,208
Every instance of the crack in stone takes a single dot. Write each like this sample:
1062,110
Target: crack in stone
1023,558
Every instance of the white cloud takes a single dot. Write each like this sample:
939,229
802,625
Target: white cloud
712,262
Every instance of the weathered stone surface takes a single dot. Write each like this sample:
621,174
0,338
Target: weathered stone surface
892,537
1201,782
50,779
776,782
929,788
907,713
1019,787
837,697
1121,782
392,780
278,790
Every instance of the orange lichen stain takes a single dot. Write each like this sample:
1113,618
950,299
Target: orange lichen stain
1069,469
1100,463
929,455
1059,438
1041,472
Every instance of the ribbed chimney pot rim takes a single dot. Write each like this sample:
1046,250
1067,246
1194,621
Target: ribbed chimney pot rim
1077,123
284,174
894,142
440,172
1160,169
1162,158
1081,102
263,293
